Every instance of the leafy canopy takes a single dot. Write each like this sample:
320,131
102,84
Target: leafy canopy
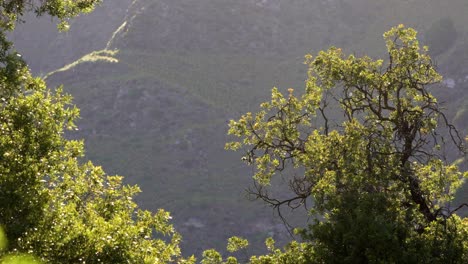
53,205
366,144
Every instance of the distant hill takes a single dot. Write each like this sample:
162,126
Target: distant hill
46,49
156,111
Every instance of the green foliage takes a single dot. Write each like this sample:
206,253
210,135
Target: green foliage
52,205
14,258
94,219
211,256
12,10
236,243
293,253
3,239
379,180
19,259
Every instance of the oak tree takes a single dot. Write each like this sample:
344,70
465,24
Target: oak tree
365,149
53,205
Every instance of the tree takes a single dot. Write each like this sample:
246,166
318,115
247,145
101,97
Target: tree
51,204
14,258
377,173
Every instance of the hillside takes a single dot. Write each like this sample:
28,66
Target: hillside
46,49
156,102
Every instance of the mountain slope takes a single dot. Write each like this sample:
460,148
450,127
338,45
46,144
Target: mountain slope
157,110
46,49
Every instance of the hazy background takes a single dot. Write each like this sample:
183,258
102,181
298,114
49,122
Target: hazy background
156,111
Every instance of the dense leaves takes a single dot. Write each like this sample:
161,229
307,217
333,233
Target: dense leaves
94,220
52,205
379,178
